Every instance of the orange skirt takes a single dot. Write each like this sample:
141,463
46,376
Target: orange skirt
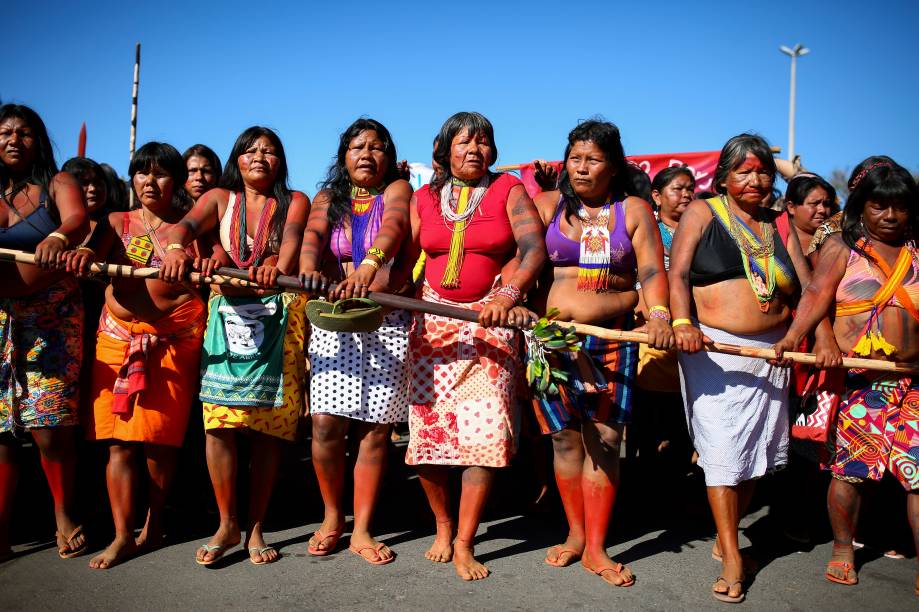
159,414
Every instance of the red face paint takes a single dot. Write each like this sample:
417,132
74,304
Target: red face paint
750,182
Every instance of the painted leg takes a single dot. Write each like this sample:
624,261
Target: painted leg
328,450
121,476
843,503
220,448
725,504
59,461
599,483
568,460
912,511
9,475
477,483
161,466
373,449
435,482
266,457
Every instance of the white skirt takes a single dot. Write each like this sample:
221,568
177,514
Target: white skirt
362,376
736,409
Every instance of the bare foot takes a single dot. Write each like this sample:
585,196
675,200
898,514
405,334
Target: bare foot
150,538
466,566
563,555
610,571
370,549
227,537
259,552
120,550
442,549
841,568
325,540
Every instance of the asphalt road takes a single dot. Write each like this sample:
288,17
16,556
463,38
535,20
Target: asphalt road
664,535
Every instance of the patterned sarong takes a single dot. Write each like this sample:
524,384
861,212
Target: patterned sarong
462,390
41,341
600,385
253,364
156,411
878,430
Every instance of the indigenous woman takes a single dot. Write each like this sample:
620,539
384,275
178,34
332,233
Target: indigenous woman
252,361
870,274
203,167
148,349
600,240
470,223
660,427
359,381
41,319
732,281
809,202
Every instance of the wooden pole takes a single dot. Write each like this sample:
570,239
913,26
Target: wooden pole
81,141
509,167
134,118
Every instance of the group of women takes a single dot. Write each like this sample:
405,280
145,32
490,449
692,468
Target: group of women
588,246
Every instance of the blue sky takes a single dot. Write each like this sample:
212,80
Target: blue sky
675,76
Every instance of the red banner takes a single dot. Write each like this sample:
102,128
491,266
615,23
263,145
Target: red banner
702,165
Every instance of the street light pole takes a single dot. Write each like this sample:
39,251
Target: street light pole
794,54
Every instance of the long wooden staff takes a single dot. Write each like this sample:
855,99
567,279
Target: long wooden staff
134,116
240,278
467,314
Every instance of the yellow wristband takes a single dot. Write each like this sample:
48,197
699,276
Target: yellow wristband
659,309
173,246
87,249
60,237
378,253
677,322
370,262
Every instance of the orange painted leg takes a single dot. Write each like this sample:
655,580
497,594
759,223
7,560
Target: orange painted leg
161,466
328,451
9,475
568,451
59,462
373,448
477,483
600,480
121,475
435,482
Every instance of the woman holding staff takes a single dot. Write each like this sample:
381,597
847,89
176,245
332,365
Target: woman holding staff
470,223
359,381
870,274
41,319
252,360
148,349
733,281
600,240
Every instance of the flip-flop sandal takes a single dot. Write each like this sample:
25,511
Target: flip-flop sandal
725,597
575,555
209,548
359,551
317,552
846,567
261,551
68,552
616,569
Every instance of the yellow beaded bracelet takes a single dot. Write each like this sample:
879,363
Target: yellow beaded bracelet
370,262
677,322
173,246
60,237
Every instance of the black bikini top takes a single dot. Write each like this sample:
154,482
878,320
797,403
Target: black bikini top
718,258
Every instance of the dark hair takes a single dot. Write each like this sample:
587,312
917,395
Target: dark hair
202,151
735,152
704,195
166,157
606,136
667,176
800,186
879,179
43,166
117,189
337,180
474,123
232,179
82,169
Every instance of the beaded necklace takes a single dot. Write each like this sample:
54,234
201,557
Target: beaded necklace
458,202
758,255
362,203
239,235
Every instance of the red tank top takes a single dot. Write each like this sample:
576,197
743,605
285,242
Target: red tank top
488,241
